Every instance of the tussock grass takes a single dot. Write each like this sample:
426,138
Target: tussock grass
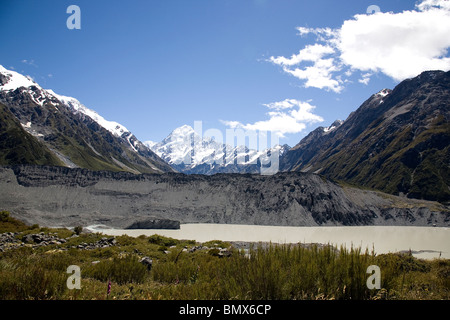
270,271
121,270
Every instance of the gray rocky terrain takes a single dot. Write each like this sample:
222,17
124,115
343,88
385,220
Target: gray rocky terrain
60,196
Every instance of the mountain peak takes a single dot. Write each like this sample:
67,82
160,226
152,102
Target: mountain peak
396,141
431,73
79,136
190,152
11,80
183,130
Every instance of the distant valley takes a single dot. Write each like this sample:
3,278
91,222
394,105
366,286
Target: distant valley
386,164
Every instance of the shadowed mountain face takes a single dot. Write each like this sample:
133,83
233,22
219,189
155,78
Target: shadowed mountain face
59,196
398,141
65,132
18,146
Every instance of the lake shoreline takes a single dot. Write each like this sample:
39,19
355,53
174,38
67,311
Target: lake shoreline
422,242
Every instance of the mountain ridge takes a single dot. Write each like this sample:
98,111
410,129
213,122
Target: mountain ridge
397,141
39,194
189,152
78,136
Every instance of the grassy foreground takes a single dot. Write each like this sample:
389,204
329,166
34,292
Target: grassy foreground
264,272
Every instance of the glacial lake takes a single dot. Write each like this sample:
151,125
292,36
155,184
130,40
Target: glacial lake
424,242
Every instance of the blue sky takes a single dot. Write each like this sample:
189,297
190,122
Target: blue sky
155,65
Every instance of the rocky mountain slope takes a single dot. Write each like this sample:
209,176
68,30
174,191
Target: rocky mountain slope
59,196
397,141
18,146
188,152
74,135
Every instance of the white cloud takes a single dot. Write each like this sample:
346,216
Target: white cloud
29,62
320,73
399,45
309,53
231,124
323,34
365,78
287,116
285,104
428,4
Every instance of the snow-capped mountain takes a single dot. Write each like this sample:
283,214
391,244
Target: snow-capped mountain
115,128
16,80
77,107
189,152
59,121
11,80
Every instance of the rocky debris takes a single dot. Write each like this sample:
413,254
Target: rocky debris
9,237
215,250
224,253
12,240
43,239
102,243
146,261
8,240
195,248
285,199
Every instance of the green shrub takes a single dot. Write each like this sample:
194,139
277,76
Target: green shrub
162,248
120,270
4,216
126,240
217,244
214,252
32,282
182,271
10,224
78,230
162,241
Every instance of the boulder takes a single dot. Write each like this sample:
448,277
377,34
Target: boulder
28,238
155,223
146,261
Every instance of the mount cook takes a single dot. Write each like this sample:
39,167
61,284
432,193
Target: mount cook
63,164
189,152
